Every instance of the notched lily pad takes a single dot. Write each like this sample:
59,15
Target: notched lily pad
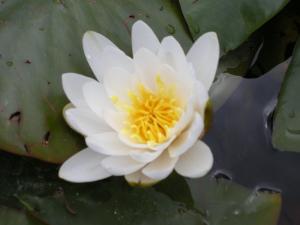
286,134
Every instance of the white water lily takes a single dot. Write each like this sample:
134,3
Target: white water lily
143,116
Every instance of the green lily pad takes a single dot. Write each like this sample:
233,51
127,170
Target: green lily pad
234,21
14,217
34,186
115,203
286,132
40,40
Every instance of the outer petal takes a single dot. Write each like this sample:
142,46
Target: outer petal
85,121
114,57
201,98
188,138
72,85
139,179
85,166
161,167
93,46
145,155
96,98
121,165
108,143
204,55
158,147
143,37
196,162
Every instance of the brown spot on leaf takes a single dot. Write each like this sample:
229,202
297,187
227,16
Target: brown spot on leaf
15,117
28,61
46,138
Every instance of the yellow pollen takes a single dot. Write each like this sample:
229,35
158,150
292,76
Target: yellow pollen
150,114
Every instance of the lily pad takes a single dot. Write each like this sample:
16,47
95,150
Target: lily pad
286,133
34,186
40,40
234,21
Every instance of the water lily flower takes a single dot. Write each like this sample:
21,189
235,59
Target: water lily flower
143,116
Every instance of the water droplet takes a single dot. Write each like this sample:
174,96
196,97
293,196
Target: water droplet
292,114
9,63
236,212
170,29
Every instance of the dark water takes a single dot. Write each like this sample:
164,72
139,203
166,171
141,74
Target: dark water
240,138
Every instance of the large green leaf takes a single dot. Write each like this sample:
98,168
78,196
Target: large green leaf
34,185
218,203
40,40
286,132
233,20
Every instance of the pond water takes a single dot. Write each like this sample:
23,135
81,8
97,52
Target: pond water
240,138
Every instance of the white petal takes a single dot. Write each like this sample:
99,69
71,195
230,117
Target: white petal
84,166
85,121
72,84
172,54
93,46
188,138
114,119
196,162
121,165
108,143
114,57
201,98
185,118
161,167
147,64
118,82
96,98
145,155
139,179
143,37
157,147
204,55
184,86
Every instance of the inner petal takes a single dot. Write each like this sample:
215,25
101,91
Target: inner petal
150,114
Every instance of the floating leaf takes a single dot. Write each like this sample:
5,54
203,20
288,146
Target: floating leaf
234,21
286,133
40,40
34,186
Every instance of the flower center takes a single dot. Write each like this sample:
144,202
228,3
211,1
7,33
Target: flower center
151,114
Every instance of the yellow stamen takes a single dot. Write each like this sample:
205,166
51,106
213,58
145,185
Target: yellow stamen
150,114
